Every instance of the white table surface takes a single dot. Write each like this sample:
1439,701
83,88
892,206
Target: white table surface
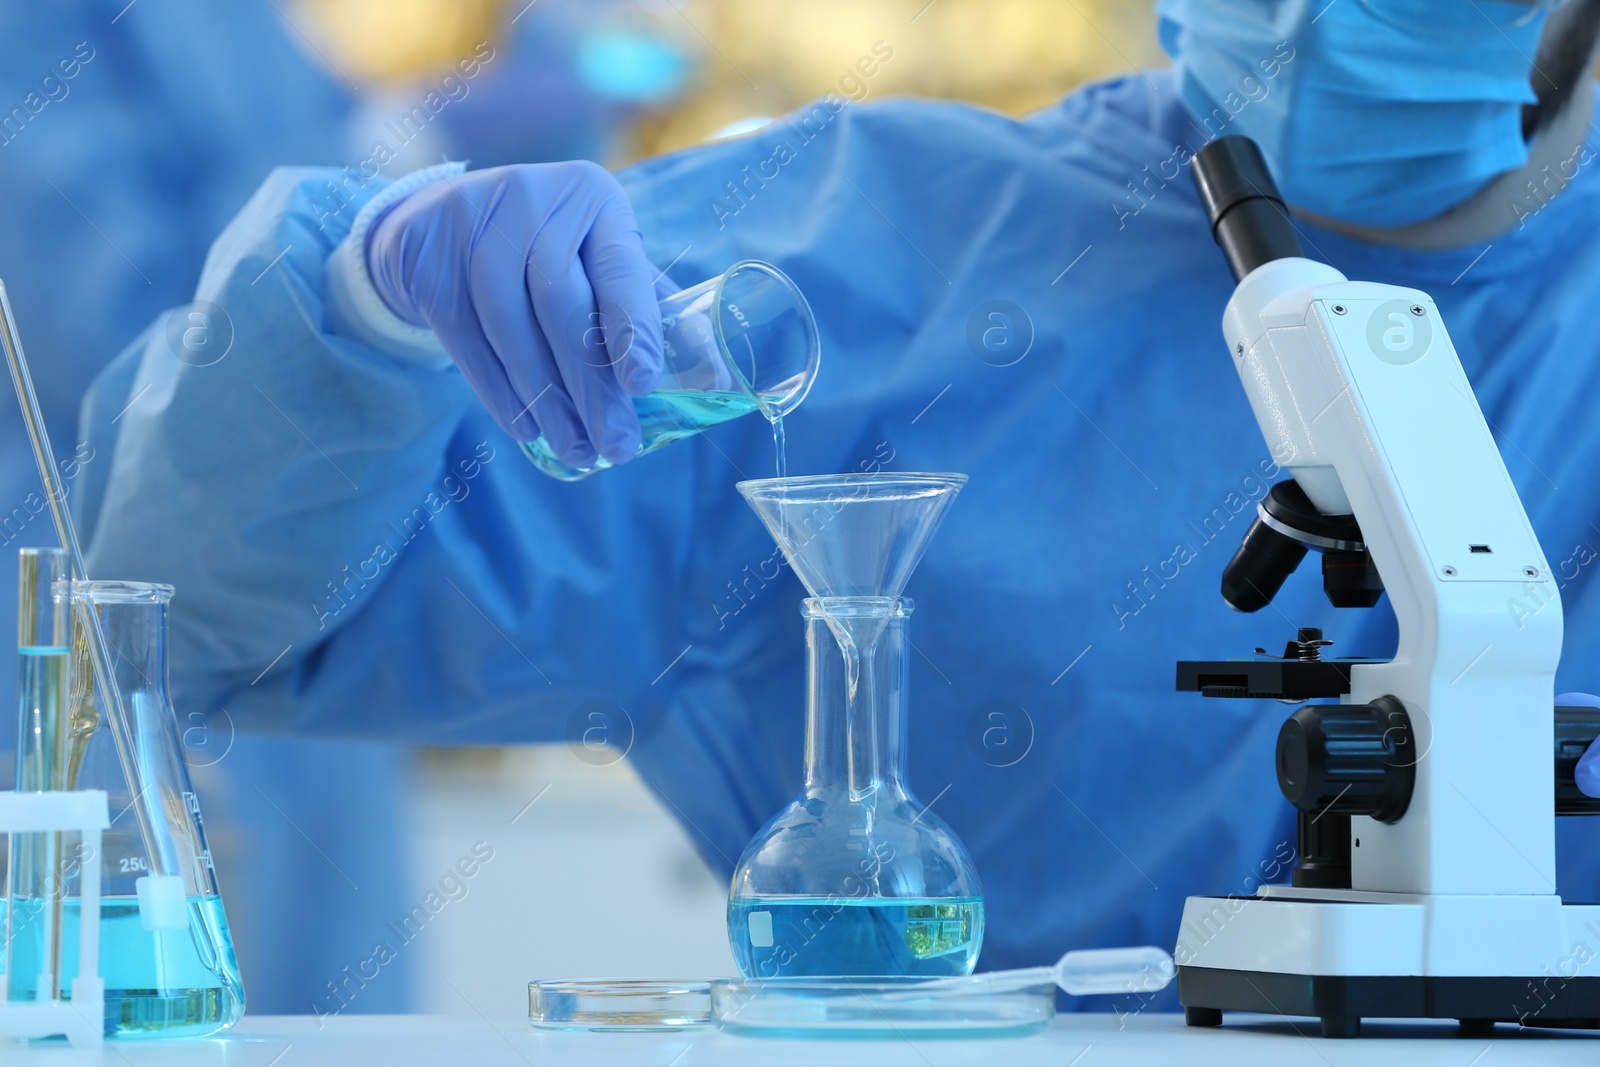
1072,1041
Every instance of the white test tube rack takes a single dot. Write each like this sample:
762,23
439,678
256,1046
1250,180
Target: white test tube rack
82,1019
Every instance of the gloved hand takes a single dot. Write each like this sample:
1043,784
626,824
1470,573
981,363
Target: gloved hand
514,269
1587,773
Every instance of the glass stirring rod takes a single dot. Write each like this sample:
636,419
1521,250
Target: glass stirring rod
121,731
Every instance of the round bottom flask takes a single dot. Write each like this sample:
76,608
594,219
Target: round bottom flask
855,876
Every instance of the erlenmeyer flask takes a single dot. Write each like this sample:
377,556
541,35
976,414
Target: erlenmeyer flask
166,953
856,876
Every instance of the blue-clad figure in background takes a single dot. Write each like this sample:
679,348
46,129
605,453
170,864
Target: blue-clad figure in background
1034,302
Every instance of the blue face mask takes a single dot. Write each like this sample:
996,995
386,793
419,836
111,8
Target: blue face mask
1377,112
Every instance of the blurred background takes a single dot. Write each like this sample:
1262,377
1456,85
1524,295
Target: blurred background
117,177
670,74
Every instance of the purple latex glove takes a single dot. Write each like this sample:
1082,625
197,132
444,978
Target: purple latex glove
535,281
1587,773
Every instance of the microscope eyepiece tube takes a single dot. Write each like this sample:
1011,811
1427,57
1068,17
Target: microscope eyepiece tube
1247,216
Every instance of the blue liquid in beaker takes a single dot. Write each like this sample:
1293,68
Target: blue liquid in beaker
664,417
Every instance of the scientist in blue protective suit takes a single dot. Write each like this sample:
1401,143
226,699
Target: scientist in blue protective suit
348,487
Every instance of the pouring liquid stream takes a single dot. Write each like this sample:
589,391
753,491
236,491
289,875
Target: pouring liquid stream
782,462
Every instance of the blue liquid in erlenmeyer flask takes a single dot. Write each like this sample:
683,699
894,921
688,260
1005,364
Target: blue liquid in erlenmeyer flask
798,936
158,983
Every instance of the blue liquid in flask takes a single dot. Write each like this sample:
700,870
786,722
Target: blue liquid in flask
822,936
158,983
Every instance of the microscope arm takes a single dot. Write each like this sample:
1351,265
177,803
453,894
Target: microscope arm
1361,397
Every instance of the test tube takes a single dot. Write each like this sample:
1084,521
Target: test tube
34,891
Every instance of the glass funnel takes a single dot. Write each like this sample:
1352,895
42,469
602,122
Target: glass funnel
741,342
166,953
855,876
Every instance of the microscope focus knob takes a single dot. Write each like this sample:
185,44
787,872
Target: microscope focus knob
1349,759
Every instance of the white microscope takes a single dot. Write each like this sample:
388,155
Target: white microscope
1427,796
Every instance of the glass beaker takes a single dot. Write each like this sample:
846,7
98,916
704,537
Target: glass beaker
166,952
741,342
856,876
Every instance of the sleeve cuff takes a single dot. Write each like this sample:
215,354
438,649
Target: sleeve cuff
354,308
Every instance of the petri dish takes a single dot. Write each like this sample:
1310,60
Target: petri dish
620,1004
878,1007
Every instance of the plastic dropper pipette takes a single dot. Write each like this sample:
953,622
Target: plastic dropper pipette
1083,972
1095,970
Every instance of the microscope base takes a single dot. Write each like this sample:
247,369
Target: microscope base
1532,961
1340,1002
